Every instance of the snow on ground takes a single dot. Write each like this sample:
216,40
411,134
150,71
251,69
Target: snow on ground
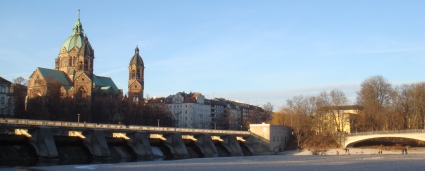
385,162
355,151
288,160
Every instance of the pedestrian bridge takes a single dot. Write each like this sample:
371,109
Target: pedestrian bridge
416,134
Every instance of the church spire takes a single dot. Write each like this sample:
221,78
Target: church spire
78,27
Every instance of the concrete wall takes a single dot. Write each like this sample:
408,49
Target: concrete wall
42,141
257,146
277,135
232,145
96,143
139,143
262,130
206,145
176,144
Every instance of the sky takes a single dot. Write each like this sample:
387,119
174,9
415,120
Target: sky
256,52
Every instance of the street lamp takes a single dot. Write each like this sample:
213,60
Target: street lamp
78,120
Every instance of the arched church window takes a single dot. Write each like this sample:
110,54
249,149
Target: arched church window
133,74
82,92
136,98
70,61
138,73
86,66
80,66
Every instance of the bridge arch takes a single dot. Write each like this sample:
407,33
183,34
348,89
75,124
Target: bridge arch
352,139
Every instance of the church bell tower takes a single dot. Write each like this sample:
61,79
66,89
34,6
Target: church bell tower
136,77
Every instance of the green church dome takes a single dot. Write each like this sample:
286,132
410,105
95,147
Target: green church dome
77,37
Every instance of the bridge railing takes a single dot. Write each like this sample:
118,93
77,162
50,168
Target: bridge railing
387,132
28,122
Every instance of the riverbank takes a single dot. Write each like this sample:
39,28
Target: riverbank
355,151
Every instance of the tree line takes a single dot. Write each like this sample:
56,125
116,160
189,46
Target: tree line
319,119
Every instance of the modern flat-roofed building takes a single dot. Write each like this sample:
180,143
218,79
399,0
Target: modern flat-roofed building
277,135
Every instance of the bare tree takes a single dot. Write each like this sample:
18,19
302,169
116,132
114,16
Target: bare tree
419,103
300,118
267,113
374,96
280,117
20,81
396,115
19,92
409,101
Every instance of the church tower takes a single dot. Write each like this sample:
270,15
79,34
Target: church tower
136,79
76,59
76,54
74,77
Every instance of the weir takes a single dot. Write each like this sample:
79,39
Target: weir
206,145
16,151
161,150
31,145
71,150
139,143
120,150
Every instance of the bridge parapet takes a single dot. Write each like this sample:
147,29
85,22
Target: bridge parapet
73,125
388,132
416,134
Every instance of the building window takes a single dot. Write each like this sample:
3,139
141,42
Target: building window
2,100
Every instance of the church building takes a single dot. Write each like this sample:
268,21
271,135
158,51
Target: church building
73,74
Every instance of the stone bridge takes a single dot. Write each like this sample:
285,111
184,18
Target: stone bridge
416,134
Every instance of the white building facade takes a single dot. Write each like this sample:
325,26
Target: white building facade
6,105
190,110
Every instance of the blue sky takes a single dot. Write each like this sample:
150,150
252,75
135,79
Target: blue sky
251,51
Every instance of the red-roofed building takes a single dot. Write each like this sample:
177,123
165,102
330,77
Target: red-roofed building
190,110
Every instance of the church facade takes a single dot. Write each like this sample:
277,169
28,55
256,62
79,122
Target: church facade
73,74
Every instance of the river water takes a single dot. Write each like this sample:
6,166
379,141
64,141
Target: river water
386,162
